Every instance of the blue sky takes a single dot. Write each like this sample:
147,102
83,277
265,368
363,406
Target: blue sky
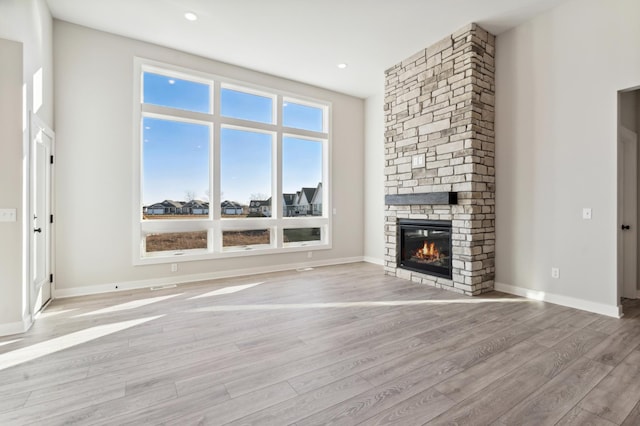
176,154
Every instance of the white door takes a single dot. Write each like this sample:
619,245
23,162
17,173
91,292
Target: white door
628,147
42,143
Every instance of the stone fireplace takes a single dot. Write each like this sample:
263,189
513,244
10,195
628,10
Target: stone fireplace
439,163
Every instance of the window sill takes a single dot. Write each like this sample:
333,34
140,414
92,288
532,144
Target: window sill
202,255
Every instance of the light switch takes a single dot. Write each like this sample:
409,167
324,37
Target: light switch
7,215
586,213
417,161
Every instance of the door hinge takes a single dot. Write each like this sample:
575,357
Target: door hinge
51,159
50,278
50,218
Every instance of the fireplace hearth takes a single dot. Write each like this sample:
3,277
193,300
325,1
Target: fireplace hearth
425,246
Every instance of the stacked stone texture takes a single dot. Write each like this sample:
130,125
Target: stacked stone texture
440,103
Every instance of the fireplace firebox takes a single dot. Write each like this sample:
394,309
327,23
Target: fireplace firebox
425,246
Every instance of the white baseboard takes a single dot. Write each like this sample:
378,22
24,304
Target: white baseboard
183,279
558,299
16,327
373,260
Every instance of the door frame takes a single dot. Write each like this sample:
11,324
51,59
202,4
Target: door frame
37,124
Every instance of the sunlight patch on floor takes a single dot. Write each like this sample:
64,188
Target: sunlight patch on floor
47,314
129,305
226,290
364,304
38,350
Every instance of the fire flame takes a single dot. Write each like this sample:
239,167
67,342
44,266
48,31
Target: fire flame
428,252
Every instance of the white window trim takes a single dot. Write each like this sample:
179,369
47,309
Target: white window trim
214,224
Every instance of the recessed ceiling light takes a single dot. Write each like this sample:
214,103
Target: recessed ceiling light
190,16
342,66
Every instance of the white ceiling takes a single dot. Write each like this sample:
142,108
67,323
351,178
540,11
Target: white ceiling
302,40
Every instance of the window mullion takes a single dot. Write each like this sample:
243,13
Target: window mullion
277,174
215,181
179,114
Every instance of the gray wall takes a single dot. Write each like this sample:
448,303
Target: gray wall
11,280
557,77
374,179
28,24
94,129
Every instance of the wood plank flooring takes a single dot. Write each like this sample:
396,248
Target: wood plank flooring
340,345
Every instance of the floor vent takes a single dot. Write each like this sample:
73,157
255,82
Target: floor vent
163,287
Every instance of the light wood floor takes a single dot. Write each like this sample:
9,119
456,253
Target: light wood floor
335,345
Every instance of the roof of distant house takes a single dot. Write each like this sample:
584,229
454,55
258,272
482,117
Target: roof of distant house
309,192
168,203
231,204
196,203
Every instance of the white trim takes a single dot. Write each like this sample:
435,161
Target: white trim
184,279
16,327
558,299
373,260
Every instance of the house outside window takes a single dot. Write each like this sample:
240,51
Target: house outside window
227,168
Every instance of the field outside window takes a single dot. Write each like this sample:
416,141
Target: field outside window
176,241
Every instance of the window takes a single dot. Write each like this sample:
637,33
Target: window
245,169
176,241
302,175
173,92
175,164
227,168
303,116
306,236
244,239
246,106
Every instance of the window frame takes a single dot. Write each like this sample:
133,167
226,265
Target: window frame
213,223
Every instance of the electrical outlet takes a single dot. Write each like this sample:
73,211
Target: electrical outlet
555,272
174,267
7,215
586,213
417,161
309,254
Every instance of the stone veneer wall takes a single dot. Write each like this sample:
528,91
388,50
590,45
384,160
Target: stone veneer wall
440,103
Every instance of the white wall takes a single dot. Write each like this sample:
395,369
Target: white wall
94,182
557,79
374,178
28,23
